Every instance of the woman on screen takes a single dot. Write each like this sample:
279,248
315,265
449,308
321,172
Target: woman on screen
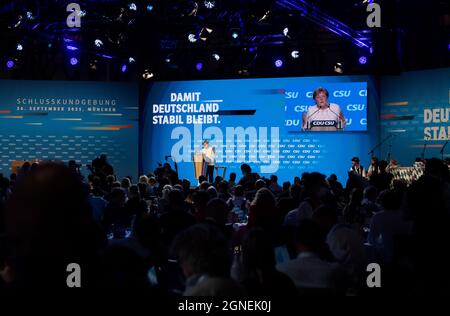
323,116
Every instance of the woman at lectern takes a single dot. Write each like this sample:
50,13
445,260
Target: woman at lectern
324,116
209,155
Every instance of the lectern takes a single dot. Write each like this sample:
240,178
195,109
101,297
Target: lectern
199,165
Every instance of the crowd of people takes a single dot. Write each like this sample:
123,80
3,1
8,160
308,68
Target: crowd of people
243,237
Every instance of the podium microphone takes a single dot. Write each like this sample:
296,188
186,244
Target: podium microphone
308,127
337,115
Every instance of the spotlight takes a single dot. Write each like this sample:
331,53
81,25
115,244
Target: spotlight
265,16
19,21
244,72
73,61
30,15
199,66
205,33
194,9
209,4
295,54
147,74
72,48
338,68
278,63
10,64
131,60
19,47
98,43
192,38
124,68
252,49
132,6
235,35
105,56
93,64
286,31
216,57
362,60
149,8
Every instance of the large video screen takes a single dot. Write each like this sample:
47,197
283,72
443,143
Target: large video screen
259,122
317,107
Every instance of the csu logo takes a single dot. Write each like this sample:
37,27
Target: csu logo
301,108
342,93
291,95
362,93
356,107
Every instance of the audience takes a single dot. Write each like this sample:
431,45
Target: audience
369,206
202,253
308,270
274,186
49,225
353,213
344,242
232,180
263,212
253,238
258,274
314,195
387,225
116,216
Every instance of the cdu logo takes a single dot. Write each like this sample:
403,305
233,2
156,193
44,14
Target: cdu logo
362,93
309,94
363,121
342,93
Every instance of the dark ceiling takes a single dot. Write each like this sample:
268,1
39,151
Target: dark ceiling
412,36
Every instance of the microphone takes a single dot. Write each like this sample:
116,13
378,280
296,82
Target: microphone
443,147
442,150
337,115
309,117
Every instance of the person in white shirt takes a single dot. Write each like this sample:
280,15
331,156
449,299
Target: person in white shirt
209,155
388,225
323,116
357,168
345,243
374,169
308,270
